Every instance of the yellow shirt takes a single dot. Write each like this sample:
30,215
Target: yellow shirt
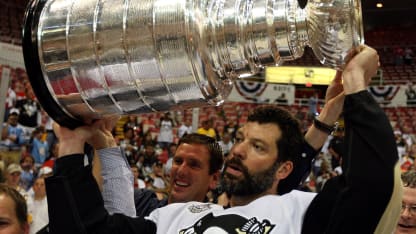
210,132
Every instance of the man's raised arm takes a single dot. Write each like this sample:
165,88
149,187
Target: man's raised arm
74,199
315,137
366,197
112,170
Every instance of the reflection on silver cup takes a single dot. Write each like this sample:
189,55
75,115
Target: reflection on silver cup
90,58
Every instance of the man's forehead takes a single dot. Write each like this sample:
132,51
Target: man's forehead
409,195
192,150
260,131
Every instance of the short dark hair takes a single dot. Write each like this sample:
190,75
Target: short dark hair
19,202
409,179
27,156
290,143
216,158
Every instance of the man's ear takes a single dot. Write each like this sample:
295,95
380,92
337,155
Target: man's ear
214,180
285,168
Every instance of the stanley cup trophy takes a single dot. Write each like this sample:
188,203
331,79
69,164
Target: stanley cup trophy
88,59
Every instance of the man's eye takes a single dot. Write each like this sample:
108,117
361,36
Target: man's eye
3,223
258,147
194,165
177,161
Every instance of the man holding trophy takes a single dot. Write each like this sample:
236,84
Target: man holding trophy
101,58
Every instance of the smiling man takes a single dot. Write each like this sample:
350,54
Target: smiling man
195,170
407,221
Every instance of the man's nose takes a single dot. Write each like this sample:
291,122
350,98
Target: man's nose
239,150
406,212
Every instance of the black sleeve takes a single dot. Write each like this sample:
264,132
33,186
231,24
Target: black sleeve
359,199
146,201
75,204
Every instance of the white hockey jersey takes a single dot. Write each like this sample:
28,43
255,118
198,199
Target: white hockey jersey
268,214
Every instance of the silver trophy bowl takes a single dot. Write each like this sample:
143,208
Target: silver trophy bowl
88,59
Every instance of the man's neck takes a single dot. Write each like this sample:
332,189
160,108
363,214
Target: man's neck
243,200
39,197
236,200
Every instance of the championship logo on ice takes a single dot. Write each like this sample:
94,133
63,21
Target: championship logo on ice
231,223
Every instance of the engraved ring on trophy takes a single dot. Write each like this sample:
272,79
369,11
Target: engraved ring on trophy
88,59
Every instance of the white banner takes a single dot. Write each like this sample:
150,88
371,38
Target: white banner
4,86
260,92
11,55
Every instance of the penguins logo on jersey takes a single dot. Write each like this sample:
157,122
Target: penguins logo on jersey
232,223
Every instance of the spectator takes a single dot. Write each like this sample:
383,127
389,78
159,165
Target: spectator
38,206
138,182
30,112
206,129
146,160
335,150
408,136
27,177
147,140
407,221
13,213
129,145
38,147
13,173
317,163
47,121
12,136
323,175
133,122
158,178
231,128
171,153
165,136
10,102
313,103
226,144
185,128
